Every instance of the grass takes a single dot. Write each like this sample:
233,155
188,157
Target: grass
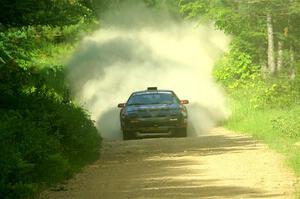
278,127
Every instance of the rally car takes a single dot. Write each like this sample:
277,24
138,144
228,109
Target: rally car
153,113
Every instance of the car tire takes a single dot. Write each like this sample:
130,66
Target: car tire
127,135
181,132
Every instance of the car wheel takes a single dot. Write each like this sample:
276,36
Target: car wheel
127,135
181,132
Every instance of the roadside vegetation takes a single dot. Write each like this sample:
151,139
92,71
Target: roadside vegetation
261,71
44,135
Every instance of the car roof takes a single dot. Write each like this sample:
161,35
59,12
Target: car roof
152,91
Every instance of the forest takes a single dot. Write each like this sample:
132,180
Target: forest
260,71
46,136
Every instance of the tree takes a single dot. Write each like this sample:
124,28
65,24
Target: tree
257,25
270,33
43,12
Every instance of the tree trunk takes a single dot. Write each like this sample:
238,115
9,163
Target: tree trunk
271,60
292,62
280,56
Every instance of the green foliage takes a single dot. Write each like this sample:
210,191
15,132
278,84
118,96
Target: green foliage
44,136
236,70
42,46
277,93
287,126
15,43
44,12
246,21
102,7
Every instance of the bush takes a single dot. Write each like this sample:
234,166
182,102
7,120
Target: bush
236,71
44,137
23,43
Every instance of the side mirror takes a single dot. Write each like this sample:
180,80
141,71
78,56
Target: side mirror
121,105
184,101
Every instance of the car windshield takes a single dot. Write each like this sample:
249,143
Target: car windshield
152,98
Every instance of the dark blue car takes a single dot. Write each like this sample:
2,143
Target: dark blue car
153,113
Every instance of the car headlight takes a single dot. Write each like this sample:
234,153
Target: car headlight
133,121
173,119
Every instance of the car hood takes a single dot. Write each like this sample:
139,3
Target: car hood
133,108
152,110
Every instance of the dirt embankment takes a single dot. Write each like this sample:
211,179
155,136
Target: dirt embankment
217,165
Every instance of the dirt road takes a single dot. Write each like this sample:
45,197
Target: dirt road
217,165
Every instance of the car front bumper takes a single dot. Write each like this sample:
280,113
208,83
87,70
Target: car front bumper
160,126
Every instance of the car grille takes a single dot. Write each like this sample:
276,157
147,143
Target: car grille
153,113
154,122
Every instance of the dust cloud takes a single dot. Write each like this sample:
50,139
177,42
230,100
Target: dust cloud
132,51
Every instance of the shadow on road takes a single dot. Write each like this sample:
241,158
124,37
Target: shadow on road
173,168
165,168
